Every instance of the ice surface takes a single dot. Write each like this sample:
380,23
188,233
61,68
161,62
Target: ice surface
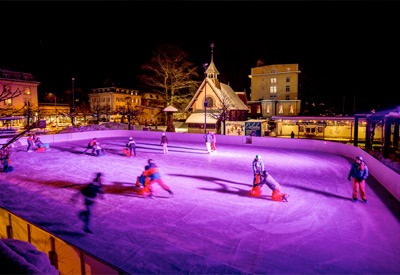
211,225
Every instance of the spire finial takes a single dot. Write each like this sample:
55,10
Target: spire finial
212,52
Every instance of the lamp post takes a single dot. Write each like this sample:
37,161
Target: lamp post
205,97
55,106
73,103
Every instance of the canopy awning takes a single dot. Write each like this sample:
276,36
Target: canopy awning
199,118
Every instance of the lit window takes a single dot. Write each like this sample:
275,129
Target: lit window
273,80
27,91
281,109
8,102
268,109
273,89
291,109
210,102
258,109
287,88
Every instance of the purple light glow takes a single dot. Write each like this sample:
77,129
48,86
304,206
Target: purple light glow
212,224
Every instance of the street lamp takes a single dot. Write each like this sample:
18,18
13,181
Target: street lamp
205,97
73,103
55,105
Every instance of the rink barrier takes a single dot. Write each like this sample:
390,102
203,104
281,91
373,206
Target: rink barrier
67,258
383,174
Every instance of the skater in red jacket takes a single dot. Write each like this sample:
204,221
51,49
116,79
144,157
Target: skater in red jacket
262,177
154,175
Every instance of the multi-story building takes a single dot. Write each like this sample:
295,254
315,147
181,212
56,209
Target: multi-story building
274,91
106,102
26,86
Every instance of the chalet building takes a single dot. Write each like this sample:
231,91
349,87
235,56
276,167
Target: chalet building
209,99
274,91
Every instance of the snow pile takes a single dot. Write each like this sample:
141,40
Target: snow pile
19,257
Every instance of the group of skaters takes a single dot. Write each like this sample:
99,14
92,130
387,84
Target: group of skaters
96,148
34,141
149,176
210,139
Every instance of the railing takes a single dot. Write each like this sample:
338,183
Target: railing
67,258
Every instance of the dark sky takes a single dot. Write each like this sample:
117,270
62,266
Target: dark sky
344,48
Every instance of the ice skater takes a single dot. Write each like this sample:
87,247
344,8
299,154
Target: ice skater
164,143
39,144
91,146
213,141
31,141
359,173
131,145
5,154
262,177
208,139
99,150
90,192
151,171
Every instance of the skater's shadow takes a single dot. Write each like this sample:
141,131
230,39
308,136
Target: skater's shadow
236,191
70,150
118,188
324,193
210,179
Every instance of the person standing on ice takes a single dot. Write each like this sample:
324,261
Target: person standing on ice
359,173
153,173
213,141
132,147
164,143
91,146
262,177
90,192
208,138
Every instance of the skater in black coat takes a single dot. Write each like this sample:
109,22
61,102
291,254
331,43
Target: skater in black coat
90,192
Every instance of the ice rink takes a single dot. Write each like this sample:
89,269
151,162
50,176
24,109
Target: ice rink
211,225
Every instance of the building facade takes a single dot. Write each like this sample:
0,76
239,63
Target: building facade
274,91
26,86
106,102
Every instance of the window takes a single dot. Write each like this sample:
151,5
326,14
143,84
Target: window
291,109
288,97
258,109
287,79
268,109
287,88
27,91
8,102
210,102
273,70
273,80
272,97
280,109
273,89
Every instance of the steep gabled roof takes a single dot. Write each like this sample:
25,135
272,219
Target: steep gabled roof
224,93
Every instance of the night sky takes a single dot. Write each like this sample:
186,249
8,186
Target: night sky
345,48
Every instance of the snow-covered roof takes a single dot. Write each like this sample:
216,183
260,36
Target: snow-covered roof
170,109
199,118
224,93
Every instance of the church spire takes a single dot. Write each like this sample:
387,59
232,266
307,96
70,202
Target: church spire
212,71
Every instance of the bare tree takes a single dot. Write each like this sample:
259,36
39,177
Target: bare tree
171,74
130,111
222,112
8,94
